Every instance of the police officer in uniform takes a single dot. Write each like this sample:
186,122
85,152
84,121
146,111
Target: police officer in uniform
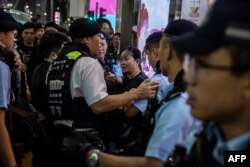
7,27
78,90
217,67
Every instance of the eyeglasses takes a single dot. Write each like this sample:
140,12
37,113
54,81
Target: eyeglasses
101,35
192,65
15,33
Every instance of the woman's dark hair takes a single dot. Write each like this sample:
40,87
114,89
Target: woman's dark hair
52,42
136,53
101,20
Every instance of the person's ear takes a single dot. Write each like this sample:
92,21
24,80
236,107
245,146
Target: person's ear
168,51
164,50
138,61
155,53
86,40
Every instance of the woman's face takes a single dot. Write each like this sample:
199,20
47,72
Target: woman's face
103,49
116,41
106,28
129,65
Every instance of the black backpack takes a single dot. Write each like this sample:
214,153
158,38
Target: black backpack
30,129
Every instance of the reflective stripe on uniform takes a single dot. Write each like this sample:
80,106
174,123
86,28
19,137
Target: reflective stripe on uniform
74,54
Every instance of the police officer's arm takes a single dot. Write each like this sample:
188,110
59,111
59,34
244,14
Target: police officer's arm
108,160
6,153
111,102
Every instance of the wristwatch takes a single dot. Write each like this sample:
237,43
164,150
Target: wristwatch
93,158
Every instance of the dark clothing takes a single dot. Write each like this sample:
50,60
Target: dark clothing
34,61
132,82
109,63
179,86
39,89
60,100
63,107
110,59
112,51
131,126
31,65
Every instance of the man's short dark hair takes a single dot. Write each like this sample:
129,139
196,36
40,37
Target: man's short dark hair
153,40
51,42
39,26
28,25
51,24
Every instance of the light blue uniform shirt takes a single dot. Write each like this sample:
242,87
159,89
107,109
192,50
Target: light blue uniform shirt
5,85
173,124
236,144
141,104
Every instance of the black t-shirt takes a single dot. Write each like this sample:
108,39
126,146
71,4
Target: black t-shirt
134,82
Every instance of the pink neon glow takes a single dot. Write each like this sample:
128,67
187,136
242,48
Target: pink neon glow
110,5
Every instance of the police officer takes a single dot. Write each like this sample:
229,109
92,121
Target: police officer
7,27
218,76
78,91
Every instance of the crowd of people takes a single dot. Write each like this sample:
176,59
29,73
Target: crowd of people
98,107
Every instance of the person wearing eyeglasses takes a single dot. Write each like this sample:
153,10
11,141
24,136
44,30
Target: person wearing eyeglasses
217,72
173,120
77,88
112,68
7,27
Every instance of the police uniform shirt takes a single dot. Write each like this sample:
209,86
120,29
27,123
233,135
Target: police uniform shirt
161,93
239,143
173,124
87,80
5,85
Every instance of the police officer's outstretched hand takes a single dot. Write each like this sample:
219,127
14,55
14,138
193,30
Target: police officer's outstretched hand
146,89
